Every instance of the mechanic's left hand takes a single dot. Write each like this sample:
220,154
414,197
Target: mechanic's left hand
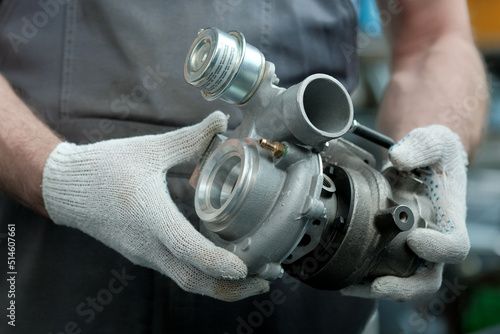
439,149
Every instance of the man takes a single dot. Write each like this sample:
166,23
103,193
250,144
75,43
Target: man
101,70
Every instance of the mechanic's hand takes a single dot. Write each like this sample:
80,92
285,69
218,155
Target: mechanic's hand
441,150
115,191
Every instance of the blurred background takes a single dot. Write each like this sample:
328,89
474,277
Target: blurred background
469,299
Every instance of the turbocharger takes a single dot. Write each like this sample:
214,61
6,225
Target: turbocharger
284,191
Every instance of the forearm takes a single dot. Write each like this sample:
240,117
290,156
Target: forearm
25,144
445,85
438,76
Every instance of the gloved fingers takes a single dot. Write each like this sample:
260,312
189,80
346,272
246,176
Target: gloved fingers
358,290
428,146
193,280
426,280
190,142
223,289
435,246
190,246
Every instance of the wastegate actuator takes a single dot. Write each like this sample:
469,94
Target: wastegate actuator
285,191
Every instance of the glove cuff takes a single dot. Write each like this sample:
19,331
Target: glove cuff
64,180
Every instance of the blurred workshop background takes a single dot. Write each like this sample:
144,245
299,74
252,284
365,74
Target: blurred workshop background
469,300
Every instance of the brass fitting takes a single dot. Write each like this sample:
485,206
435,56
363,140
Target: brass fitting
276,149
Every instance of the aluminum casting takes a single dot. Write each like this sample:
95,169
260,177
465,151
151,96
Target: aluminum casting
285,191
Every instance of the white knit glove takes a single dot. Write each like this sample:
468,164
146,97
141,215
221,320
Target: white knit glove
115,191
439,149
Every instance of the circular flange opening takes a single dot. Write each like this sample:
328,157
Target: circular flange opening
225,182
328,106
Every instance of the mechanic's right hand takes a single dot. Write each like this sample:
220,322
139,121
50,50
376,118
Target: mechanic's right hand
115,191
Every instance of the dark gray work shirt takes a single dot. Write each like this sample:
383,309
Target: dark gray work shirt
113,68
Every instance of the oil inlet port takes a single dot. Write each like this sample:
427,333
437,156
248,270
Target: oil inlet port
276,149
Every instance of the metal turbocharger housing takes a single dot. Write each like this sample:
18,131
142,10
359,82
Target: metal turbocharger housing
284,190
